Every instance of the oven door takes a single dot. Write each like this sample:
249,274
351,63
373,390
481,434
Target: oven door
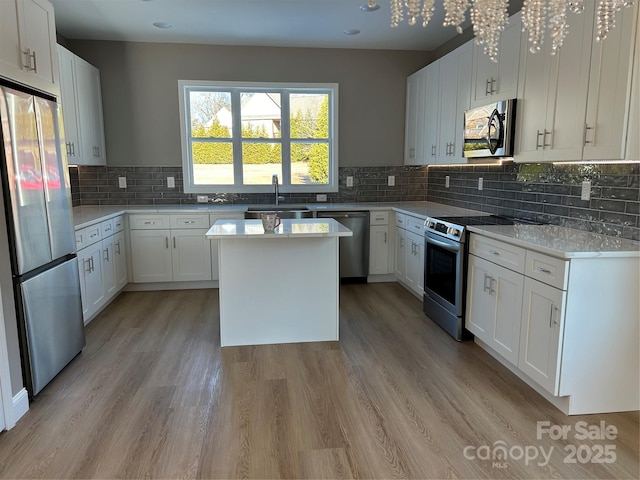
443,272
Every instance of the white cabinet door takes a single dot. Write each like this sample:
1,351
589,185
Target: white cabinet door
108,268
542,326
553,96
66,64
431,130
608,104
191,255
91,289
414,255
378,250
400,260
120,255
151,256
497,81
28,44
494,306
414,115
89,101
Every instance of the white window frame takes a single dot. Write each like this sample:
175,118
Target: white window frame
285,186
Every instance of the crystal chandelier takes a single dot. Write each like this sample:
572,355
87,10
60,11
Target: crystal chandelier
489,18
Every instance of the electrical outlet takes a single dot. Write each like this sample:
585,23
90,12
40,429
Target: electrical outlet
202,199
446,181
349,181
122,182
391,180
321,197
585,194
480,183
171,182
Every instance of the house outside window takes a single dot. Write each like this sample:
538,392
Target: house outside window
236,136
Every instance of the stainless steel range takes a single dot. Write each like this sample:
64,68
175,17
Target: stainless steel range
445,272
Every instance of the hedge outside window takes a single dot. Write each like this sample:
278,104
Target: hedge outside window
236,136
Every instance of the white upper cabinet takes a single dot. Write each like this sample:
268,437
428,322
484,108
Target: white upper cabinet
608,104
28,44
414,119
552,96
497,81
432,113
455,98
82,110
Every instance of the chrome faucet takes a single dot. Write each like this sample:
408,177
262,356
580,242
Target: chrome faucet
274,180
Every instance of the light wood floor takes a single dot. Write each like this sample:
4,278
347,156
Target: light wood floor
153,395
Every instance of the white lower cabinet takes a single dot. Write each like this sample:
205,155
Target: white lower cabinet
568,327
409,252
170,254
495,298
102,264
380,259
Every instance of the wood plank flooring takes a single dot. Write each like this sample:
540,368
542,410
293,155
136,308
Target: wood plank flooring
154,396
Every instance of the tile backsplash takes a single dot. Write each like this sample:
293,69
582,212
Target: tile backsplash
544,192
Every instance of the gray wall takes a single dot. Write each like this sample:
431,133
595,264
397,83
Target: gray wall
140,93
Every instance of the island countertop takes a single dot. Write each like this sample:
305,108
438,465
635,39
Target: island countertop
289,228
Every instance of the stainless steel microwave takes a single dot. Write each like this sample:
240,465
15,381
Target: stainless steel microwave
489,130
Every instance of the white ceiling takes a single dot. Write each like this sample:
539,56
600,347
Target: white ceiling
280,23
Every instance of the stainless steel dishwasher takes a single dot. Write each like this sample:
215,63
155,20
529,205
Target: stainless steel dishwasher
354,251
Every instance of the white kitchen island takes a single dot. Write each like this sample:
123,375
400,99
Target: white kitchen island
280,287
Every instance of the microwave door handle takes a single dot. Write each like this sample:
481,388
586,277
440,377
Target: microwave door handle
495,115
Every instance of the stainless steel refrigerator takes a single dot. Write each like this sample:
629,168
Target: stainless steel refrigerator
37,199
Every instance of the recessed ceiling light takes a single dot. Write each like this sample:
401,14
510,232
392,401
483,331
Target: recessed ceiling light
162,25
371,6
353,31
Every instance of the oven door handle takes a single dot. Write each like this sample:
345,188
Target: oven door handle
446,245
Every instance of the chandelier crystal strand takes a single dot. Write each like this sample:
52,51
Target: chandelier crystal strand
557,23
534,16
455,11
576,6
489,18
413,10
396,13
427,11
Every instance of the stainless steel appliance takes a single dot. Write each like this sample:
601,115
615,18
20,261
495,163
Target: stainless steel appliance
445,272
489,130
354,251
37,200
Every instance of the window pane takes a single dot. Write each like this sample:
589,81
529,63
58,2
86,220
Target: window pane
210,114
260,161
212,163
309,163
261,115
309,115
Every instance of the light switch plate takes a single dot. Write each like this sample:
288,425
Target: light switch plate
349,181
321,197
446,181
480,183
122,182
202,199
585,194
171,182
391,181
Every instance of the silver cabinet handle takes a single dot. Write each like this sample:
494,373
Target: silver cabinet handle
73,149
538,135
86,263
545,144
35,62
174,242
189,222
106,255
484,283
487,91
552,322
149,223
166,242
385,237
493,252
401,242
433,150
492,90
491,289
584,138
91,267
30,64
543,270
117,244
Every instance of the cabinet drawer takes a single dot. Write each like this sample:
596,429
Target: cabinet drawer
88,236
379,218
401,220
190,221
107,228
148,222
118,224
500,253
550,270
415,225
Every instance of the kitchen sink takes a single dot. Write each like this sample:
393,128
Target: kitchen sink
279,208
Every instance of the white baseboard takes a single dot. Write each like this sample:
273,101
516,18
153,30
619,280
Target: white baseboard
145,287
20,407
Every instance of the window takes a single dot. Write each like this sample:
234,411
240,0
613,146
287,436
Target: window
236,136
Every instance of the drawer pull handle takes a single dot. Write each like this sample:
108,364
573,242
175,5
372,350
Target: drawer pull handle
493,252
543,270
188,222
149,223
